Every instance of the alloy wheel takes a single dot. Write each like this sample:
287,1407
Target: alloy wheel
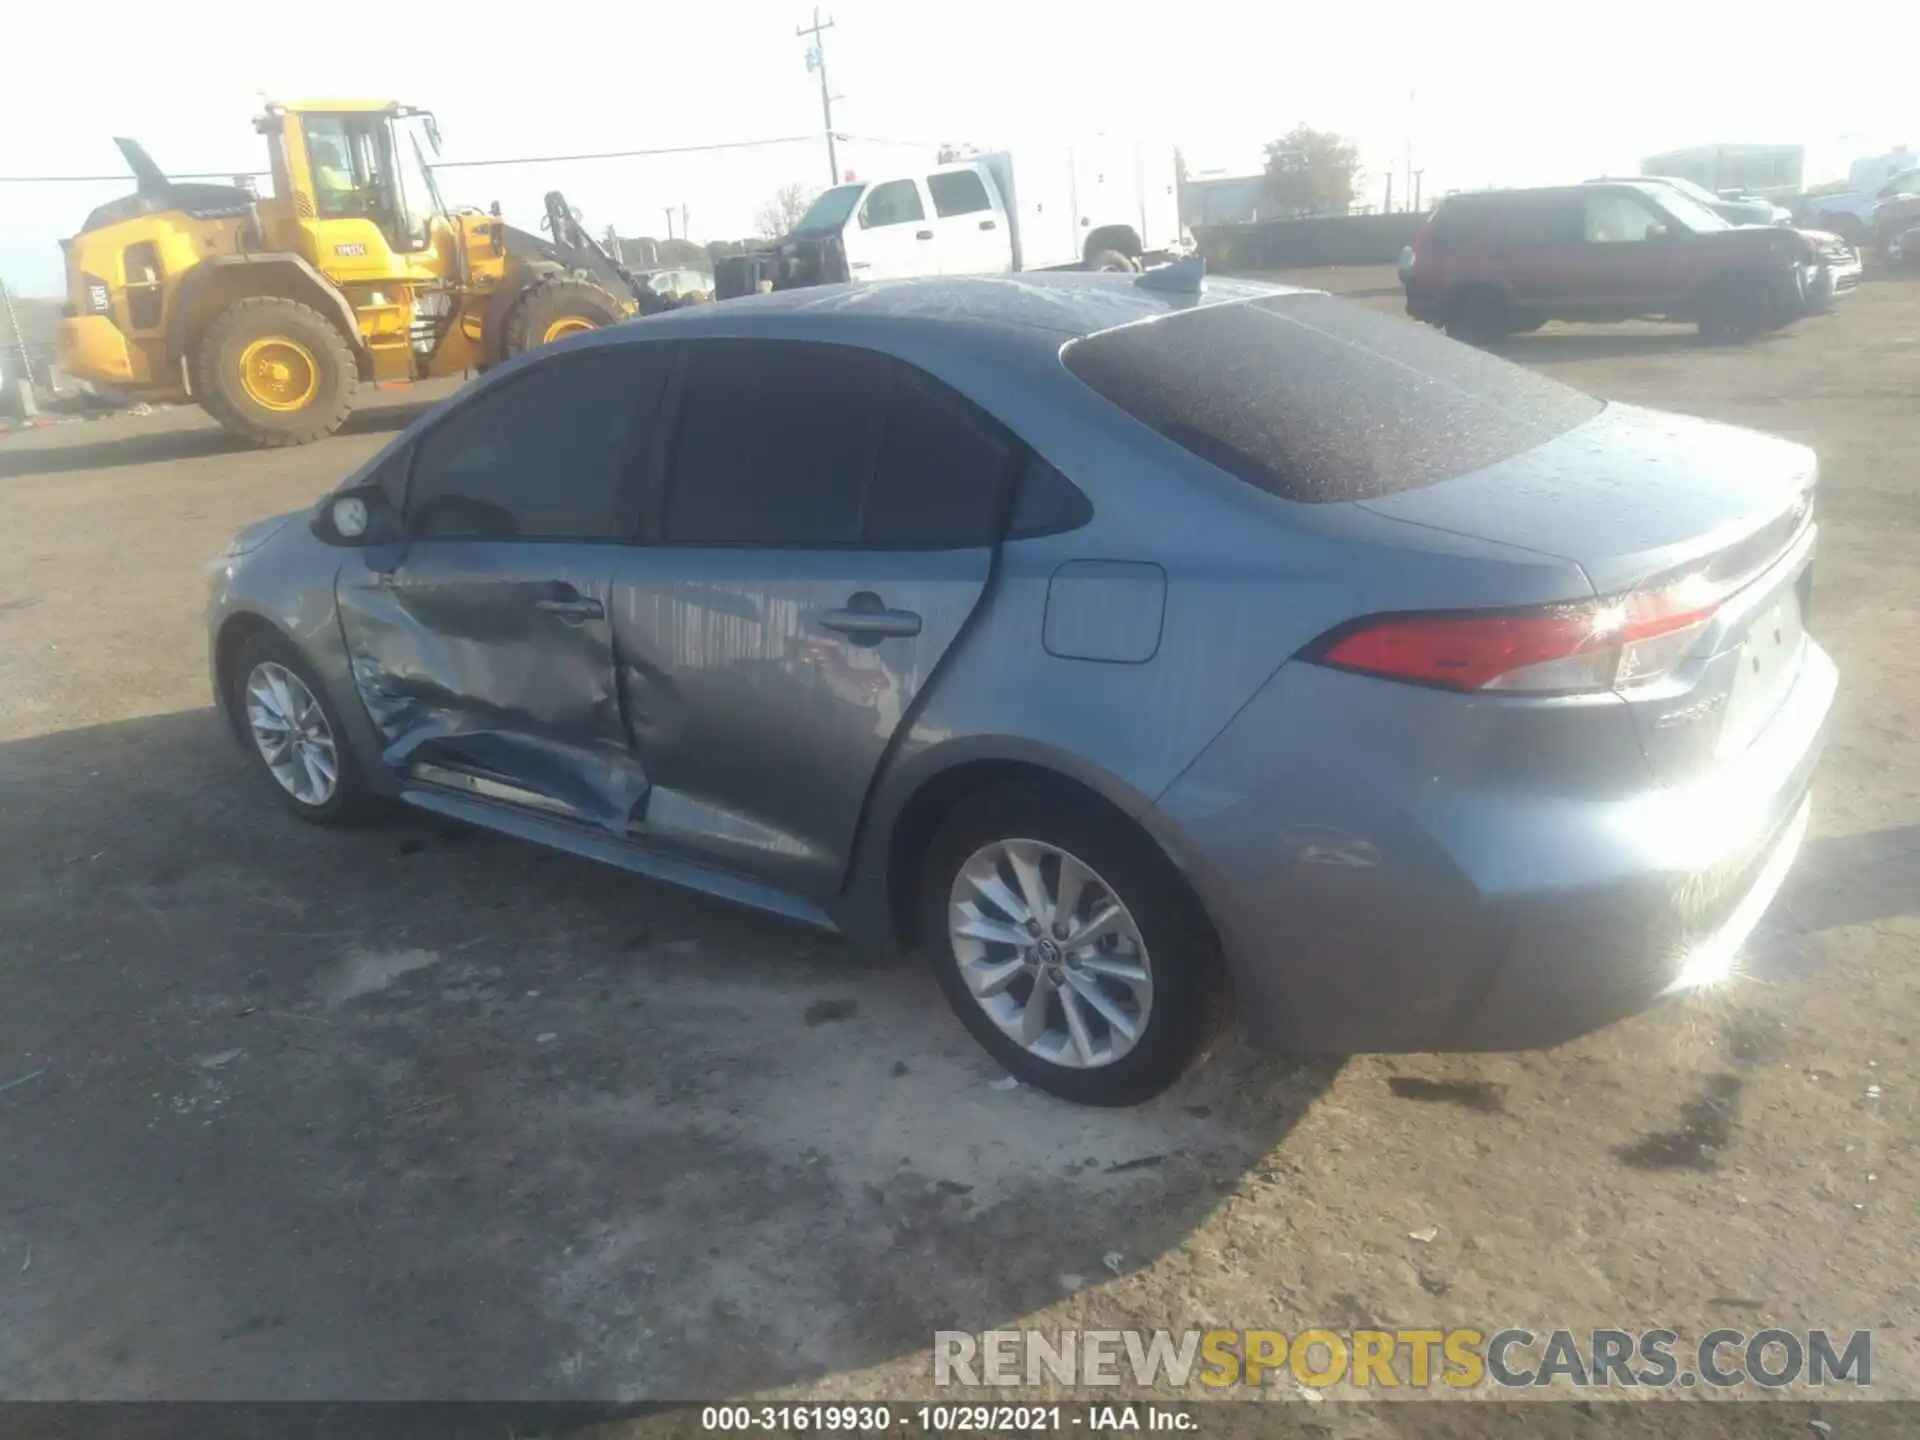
1050,953
291,732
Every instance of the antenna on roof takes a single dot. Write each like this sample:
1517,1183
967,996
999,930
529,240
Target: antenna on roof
1180,277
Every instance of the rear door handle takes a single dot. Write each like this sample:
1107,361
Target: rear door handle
569,604
989,224
867,621
923,234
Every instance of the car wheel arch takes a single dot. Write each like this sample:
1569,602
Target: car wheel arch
235,631
909,832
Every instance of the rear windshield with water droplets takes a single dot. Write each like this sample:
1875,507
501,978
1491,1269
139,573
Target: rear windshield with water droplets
1318,399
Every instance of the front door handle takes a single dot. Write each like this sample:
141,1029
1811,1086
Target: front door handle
988,224
867,621
923,234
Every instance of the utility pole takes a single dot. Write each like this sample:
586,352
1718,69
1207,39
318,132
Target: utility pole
669,214
1411,99
1416,188
817,60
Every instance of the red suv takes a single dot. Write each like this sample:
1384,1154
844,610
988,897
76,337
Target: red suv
1506,261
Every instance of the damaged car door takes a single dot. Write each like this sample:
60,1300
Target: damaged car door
823,524
482,644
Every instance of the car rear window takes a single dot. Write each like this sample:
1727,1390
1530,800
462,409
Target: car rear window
1316,399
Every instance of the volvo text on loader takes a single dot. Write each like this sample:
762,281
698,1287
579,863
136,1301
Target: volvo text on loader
272,312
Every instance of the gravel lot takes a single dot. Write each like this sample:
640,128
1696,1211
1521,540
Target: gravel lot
420,1113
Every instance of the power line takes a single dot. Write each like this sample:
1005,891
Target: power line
122,179
625,154
438,165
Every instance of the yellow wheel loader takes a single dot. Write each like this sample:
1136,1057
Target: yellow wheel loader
273,312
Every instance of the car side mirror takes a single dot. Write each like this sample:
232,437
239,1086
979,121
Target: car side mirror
363,515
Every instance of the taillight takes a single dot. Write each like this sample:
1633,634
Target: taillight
1589,645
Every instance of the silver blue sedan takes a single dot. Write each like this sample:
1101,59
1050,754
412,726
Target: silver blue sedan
1138,650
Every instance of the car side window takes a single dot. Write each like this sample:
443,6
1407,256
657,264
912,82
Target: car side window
1617,219
957,192
895,203
941,474
1047,503
541,456
801,446
775,446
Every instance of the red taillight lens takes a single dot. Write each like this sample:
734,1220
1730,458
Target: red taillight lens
1591,645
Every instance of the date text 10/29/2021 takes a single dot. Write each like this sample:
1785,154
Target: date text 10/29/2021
789,1419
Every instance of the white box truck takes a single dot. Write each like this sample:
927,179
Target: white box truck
1104,204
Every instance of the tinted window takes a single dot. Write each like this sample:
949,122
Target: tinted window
817,445
776,445
940,477
1047,504
1509,221
540,456
1315,399
894,203
958,192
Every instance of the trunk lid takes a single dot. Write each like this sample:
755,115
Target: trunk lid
1638,500
1628,496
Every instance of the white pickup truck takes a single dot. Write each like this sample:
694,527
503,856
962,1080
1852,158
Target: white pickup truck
1101,205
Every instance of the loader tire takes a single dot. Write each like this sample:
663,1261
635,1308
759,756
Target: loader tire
1112,261
555,309
275,372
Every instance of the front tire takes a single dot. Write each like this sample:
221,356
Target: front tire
1068,947
557,309
1734,312
275,372
294,734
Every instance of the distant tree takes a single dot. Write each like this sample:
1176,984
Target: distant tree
781,213
720,249
1312,172
950,152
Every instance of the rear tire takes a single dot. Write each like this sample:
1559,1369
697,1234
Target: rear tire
1849,228
555,310
1478,315
1159,930
1111,261
275,372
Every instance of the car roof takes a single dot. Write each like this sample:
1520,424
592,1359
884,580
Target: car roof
1035,312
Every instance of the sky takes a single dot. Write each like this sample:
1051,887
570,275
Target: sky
1484,93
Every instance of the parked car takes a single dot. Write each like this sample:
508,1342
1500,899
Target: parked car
1847,211
679,284
1276,648
1500,262
1892,219
1735,209
1102,204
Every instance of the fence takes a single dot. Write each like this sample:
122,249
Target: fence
1317,240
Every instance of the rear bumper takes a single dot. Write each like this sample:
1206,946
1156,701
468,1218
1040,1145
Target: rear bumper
1368,908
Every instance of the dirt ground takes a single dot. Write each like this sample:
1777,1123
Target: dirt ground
421,1113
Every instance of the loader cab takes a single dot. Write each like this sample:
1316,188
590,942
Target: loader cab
356,163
